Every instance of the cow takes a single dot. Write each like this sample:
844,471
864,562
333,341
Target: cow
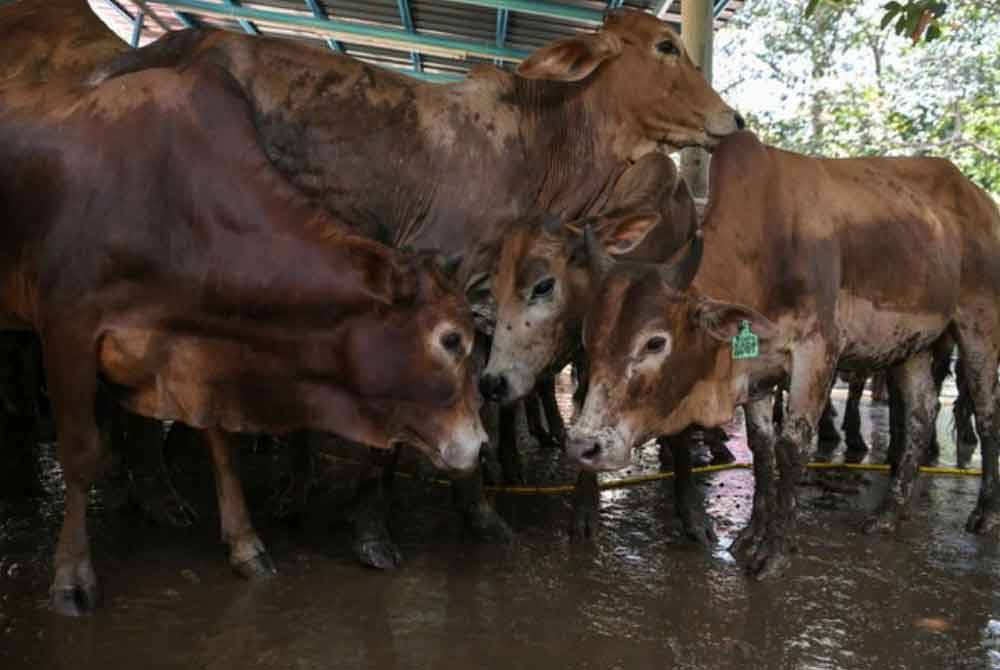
809,264
542,287
437,167
148,240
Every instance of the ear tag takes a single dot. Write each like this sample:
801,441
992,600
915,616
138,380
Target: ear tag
745,343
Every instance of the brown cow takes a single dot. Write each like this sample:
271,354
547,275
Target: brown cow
542,288
862,263
412,164
149,241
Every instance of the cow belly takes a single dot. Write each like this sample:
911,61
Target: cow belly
878,336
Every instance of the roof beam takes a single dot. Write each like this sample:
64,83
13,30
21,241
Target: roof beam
320,14
502,16
137,29
407,19
361,33
552,10
247,27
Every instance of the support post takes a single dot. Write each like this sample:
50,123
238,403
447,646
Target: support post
697,19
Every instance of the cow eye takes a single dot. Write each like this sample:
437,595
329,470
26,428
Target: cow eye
452,342
543,288
668,48
655,345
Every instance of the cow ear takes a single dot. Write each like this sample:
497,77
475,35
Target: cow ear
571,59
722,320
621,235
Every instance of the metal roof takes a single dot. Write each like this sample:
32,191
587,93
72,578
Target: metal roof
438,40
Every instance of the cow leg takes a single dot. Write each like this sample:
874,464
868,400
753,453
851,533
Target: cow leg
481,520
532,404
966,439
778,410
142,444
760,437
290,502
510,458
557,427
72,376
687,499
829,437
856,447
896,421
809,389
914,385
586,506
979,363
716,439
247,554
373,544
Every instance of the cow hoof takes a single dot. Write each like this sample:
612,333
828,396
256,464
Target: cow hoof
256,568
747,541
855,452
700,530
984,520
884,521
75,591
483,523
721,454
584,524
379,553
771,559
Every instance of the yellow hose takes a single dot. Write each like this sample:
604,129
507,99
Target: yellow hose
659,476
559,489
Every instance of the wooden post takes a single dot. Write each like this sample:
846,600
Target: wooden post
697,28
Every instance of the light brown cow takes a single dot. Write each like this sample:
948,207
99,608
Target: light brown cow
862,261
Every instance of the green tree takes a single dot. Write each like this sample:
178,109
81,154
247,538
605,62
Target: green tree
837,83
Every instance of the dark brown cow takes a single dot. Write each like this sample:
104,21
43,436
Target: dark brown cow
149,241
861,263
439,167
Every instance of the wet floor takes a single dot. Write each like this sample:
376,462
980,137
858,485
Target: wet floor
639,596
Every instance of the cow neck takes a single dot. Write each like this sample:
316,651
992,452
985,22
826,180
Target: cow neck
563,130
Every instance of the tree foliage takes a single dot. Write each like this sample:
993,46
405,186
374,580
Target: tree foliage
837,83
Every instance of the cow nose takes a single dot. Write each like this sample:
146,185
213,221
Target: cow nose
740,121
493,387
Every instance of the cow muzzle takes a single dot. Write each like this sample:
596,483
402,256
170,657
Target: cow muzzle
598,451
461,453
721,124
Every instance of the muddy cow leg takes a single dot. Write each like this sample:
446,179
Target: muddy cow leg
581,372
71,369
586,507
896,421
553,418
480,518
373,544
829,437
247,554
760,437
966,439
809,388
533,417
510,458
142,444
856,447
940,369
291,500
913,384
979,363
688,500
778,410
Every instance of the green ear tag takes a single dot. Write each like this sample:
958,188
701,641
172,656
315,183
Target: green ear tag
745,343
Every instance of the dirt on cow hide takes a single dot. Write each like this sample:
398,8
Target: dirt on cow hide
639,596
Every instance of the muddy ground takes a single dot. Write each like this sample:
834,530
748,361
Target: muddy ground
639,596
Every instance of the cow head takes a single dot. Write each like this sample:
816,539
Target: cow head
410,363
542,287
659,356
637,68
